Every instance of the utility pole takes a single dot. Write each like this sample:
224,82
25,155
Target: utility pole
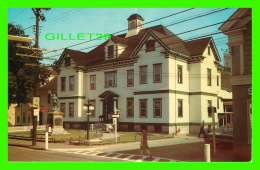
38,16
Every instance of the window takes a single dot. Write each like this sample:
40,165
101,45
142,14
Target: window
71,109
93,82
179,74
209,77
157,73
143,74
110,79
93,103
17,119
208,50
67,61
157,107
110,51
130,78
218,103
63,108
209,105
130,107
49,98
180,108
132,25
63,83
71,83
217,80
29,119
150,45
143,107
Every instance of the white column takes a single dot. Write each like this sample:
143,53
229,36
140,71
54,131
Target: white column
207,152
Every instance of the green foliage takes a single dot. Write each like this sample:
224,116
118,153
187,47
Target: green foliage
20,76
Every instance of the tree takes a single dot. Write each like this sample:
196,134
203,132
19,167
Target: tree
21,76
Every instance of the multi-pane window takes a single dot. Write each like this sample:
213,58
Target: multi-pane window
62,108
143,74
130,107
130,78
209,76
157,73
92,82
24,118
180,76
157,107
110,79
150,45
180,108
63,83
18,119
93,112
143,107
67,61
209,105
71,83
71,109
110,51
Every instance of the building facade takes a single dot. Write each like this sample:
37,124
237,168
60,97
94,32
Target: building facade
154,77
238,28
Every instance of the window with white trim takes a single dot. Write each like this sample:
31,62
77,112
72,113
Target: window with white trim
110,79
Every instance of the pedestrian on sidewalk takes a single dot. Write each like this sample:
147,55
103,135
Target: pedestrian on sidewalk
144,143
202,130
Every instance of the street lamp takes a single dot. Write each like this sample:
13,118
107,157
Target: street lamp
88,107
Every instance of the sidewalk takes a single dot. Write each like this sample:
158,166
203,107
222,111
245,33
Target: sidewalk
109,147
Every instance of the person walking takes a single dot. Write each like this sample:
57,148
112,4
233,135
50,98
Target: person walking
202,130
144,143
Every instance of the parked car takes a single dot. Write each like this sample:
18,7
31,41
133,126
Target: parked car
224,134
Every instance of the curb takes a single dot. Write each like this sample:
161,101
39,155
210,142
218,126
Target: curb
27,146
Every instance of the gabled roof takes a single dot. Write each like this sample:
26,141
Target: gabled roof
238,19
52,85
133,44
197,47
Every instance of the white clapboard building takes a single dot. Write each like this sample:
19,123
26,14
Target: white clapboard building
154,77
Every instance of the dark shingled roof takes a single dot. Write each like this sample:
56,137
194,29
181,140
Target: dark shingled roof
197,47
135,16
172,41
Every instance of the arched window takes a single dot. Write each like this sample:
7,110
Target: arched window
132,25
140,24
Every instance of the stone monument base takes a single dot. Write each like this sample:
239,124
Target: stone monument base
55,120
58,131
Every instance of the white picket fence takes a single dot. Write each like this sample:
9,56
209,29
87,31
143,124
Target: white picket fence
25,128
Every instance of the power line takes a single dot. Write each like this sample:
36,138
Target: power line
22,10
127,29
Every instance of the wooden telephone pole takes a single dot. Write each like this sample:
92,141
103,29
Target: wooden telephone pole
38,16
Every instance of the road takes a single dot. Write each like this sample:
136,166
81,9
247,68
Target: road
19,154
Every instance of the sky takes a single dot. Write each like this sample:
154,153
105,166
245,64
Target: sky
72,21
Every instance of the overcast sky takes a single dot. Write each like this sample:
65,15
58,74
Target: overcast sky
110,20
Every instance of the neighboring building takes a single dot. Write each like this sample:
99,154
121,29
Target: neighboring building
239,32
155,78
22,114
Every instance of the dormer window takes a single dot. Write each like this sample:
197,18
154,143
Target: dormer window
110,51
150,45
67,61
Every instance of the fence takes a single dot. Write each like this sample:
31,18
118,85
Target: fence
25,128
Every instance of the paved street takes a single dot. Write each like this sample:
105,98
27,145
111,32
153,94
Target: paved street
181,148
20,154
